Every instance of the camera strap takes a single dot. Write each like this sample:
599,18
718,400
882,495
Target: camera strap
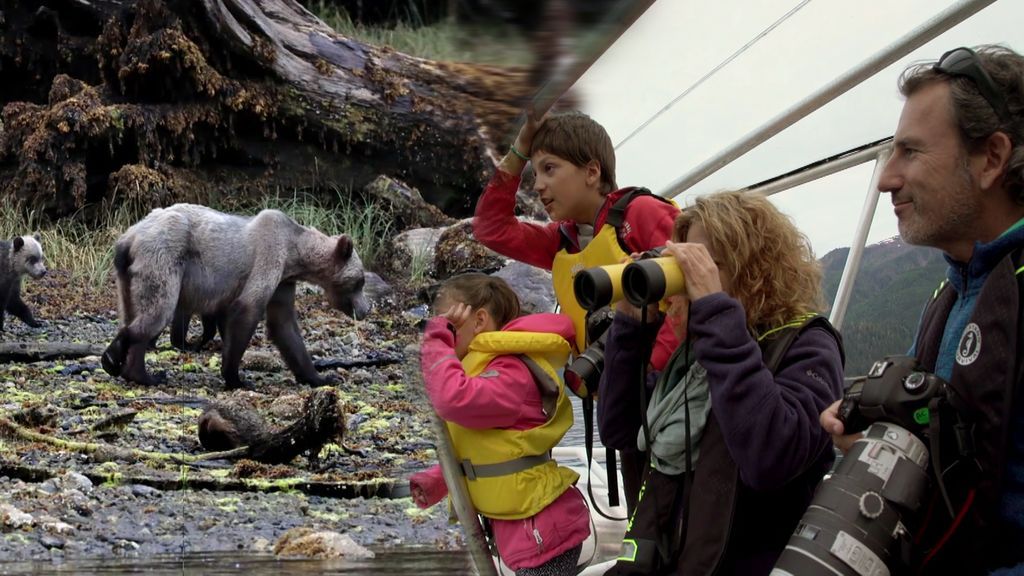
646,353
610,464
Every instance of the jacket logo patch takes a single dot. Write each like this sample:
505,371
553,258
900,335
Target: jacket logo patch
970,345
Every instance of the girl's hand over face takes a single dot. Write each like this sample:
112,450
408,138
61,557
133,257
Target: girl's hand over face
458,314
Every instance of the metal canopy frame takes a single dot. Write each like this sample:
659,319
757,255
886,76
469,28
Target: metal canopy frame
878,152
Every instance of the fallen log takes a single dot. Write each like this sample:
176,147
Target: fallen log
38,351
153,101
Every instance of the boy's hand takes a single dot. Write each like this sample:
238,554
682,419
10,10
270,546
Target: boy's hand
524,141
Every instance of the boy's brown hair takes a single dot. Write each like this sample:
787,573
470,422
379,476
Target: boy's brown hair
482,291
577,138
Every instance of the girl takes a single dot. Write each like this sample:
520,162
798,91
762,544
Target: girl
494,378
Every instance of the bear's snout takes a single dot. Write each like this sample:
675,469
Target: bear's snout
360,308
357,307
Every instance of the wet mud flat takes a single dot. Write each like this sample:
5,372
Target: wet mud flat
60,503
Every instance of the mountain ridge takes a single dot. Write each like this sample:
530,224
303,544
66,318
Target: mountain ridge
891,288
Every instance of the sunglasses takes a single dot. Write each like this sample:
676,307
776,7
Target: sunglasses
964,62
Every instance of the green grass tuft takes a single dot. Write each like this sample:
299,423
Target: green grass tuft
446,40
86,249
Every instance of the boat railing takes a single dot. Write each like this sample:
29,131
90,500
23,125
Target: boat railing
878,152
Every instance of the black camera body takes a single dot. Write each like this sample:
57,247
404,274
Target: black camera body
583,374
856,523
895,390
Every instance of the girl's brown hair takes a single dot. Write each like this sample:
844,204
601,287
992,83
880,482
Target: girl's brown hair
482,291
768,261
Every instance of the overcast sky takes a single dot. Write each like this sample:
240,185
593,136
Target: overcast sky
676,42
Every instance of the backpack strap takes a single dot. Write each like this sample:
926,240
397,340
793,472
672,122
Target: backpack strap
617,213
776,342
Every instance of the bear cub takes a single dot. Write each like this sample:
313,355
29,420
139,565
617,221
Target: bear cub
22,256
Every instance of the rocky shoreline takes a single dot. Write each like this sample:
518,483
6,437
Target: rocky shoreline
60,504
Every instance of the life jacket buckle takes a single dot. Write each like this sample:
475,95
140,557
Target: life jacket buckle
467,469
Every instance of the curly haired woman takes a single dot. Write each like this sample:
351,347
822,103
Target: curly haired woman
732,424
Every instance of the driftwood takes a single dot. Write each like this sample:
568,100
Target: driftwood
366,489
105,425
232,430
189,401
379,360
36,351
230,426
97,451
152,101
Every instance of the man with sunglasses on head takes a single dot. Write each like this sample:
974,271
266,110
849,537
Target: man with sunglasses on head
956,177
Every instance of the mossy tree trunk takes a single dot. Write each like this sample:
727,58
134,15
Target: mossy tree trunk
148,102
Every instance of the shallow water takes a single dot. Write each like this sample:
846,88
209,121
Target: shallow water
388,562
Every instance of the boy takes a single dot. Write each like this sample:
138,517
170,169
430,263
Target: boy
574,161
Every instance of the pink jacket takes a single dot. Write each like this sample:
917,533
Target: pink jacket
508,397
647,224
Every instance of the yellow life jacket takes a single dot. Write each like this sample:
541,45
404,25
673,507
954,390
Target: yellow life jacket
605,249
510,473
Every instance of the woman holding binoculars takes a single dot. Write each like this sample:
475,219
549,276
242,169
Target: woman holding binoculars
732,426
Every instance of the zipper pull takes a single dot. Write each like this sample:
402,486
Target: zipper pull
536,536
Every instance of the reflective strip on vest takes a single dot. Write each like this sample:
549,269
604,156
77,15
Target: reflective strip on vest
516,490
793,324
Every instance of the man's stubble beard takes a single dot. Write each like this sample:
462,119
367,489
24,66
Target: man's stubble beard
956,223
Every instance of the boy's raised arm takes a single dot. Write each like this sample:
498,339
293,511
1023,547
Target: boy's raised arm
495,225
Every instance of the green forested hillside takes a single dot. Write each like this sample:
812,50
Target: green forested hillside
894,282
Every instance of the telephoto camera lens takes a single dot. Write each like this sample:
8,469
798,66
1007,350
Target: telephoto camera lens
855,525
